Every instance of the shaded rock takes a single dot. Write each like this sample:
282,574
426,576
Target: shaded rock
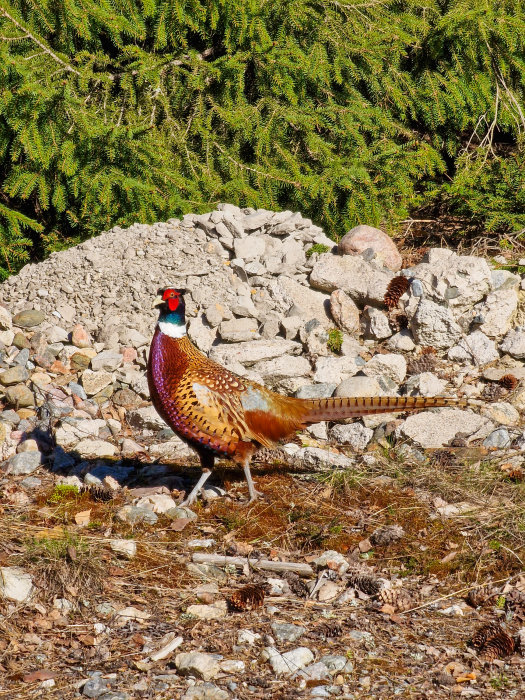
28,318
362,237
374,324
344,312
285,632
134,515
14,375
19,396
514,343
145,418
24,463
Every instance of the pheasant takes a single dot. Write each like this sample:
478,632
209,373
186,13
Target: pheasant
219,413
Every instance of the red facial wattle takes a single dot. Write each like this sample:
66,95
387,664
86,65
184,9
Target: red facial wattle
173,302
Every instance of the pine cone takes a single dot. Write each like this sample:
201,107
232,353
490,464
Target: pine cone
246,598
443,458
515,603
498,647
98,493
399,598
384,536
366,583
493,392
327,630
426,362
397,320
395,290
484,634
297,585
478,597
508,381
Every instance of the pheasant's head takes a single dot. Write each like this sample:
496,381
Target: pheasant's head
170,301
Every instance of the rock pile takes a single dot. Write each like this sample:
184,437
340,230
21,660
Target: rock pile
273,299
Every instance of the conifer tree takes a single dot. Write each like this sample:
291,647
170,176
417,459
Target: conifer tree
115,111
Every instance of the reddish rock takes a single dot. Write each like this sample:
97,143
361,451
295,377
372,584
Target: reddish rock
59,368
80,337
129,355
360,238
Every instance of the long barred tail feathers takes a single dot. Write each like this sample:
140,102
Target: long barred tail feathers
339,408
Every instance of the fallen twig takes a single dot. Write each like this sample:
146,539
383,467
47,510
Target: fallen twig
240,562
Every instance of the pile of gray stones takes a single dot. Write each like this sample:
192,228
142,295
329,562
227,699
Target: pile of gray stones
267,291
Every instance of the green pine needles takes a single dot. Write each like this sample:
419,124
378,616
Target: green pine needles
116,111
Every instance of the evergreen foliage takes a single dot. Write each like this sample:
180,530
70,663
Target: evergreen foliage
115,111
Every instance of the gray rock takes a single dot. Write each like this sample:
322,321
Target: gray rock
434,325
250,248
21,359
502,412
239,330
92,449
359,386
334,662
205,691
401,341
436,429
93,382
314,672
281,367
134,515
498,438
316,391
19,396
425,384
289,662
28,318
106,360
345,312
355,435
320,460
313,303
285,632
363,237
15,375
497,311
374,324
476,348
457,280
333,370
145,418
197,663
363,282
389,365
24,463
514,343
95,687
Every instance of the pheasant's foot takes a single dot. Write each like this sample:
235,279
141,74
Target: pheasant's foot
251,487
192,496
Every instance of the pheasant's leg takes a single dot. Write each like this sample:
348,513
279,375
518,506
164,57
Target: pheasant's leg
251,488
207,460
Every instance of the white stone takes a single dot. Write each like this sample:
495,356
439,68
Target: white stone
6,322
321,460
157,502
201,334
355,435
216,611
434,325
93,382
239,330
249,248
457,280
249,353
283,367
476,348
15,583
145,418
95,448
389,365
248,637
126,547
514,343
401,341
167,646
106,360
436,429
359,386
498,310
289,662
198,663
364,283
345,312
425,384
332,370
374,324
502,412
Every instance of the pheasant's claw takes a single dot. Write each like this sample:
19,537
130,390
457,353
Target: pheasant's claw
192,496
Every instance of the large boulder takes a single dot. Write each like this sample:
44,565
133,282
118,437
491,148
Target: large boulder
363,237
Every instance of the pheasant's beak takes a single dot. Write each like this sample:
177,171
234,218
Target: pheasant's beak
158,301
